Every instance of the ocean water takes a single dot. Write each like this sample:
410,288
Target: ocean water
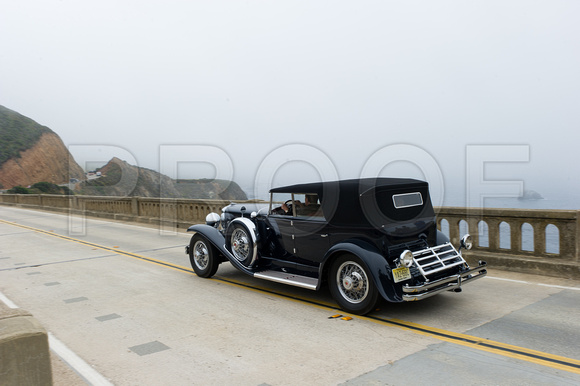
568,200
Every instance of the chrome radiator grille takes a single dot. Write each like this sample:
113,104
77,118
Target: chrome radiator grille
436,259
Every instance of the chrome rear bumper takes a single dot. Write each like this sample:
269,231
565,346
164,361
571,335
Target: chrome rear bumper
451,283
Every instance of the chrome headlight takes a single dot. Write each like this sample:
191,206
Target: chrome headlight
466,242
406,258
212,219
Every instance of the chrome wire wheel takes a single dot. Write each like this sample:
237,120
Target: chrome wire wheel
352,282
240,243
200,254
203,256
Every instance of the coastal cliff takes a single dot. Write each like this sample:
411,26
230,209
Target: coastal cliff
30,153
119,178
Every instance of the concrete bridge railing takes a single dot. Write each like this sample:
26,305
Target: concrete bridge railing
524,232
527,240
538,241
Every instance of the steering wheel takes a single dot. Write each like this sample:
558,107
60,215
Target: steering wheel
288,204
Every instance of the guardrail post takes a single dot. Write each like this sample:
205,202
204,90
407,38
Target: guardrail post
472,223
539,238
24,351
135,206
516,235
493,226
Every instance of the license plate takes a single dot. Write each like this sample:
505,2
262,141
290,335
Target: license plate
400,274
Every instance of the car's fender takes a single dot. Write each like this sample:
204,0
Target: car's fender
377,265
213,235
218,240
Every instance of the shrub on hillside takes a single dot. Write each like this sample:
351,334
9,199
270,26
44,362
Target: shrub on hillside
18,190
41,188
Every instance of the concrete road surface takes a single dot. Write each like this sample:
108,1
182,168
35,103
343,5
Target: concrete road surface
123,307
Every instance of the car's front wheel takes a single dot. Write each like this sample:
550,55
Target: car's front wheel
351,285
203,256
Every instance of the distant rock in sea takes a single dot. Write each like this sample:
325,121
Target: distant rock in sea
531,195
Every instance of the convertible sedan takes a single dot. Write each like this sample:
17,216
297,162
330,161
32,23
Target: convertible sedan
364,238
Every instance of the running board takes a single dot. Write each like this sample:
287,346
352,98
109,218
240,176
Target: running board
310,283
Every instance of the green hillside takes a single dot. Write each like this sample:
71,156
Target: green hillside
17,133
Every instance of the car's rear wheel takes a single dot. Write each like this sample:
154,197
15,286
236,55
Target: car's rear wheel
351,285
240,243
203,256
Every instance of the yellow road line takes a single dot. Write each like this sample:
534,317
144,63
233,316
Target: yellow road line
507,350
98,246
504,349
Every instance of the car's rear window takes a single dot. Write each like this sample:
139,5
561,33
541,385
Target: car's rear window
407,200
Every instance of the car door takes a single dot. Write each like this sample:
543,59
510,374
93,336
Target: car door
305,239
310,228
303,230
284,228
311,239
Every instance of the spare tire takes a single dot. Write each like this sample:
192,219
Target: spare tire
241,242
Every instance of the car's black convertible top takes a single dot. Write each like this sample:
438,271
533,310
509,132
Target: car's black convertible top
367,201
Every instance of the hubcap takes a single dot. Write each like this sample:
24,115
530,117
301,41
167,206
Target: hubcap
240,247
200,254
353,283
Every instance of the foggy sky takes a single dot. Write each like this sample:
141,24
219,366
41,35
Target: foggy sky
288,92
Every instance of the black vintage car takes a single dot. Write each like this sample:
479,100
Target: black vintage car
361,237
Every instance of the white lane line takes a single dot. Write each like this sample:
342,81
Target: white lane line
82,368
7,301
90,375
540,284
560,287
510,280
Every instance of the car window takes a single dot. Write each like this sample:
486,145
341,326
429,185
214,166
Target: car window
308,206
277,205
300,205
406,200
403,206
